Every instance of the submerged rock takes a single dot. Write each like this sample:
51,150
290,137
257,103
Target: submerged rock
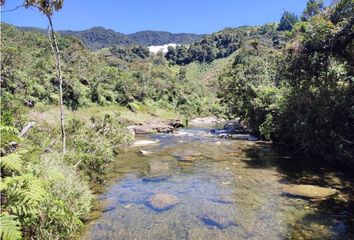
218,220
93,216
162,201
223,199
309,191
247,137
107,204
188,156
156,178
143,152
140,143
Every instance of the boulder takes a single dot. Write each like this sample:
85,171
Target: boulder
162,201
143,152
147,128
142,129
205,121
176,123
140,143
247,137
309,191
232,128
29,103
84,81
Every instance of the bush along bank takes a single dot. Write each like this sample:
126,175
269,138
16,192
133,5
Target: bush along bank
45,195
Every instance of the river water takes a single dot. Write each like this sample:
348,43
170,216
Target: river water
233,190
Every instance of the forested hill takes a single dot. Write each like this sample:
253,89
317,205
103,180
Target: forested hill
99,37
161,38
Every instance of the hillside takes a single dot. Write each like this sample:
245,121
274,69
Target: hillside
90,167
98,37
149,38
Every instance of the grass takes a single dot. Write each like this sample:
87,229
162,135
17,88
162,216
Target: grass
207,72
148,112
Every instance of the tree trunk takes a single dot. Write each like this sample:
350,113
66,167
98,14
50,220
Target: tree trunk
55,48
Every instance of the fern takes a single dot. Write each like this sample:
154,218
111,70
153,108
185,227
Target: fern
8,135
10,227
24,195
11,163
8,130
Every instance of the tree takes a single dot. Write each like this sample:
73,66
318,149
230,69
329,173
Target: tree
313,7
47,8
287,21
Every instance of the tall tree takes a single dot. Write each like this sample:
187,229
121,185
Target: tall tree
313,7
47,8
287,21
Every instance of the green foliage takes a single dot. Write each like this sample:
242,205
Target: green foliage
9,135
95,144
287,21
302,94
110,76
23,197
249,87
320,72
98,37
39,199
313,7
11,163
130,53
10,227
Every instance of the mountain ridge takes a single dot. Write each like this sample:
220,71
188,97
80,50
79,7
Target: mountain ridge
99,37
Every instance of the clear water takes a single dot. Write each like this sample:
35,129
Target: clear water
237,184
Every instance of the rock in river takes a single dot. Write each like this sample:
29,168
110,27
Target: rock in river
107,204
309,191
147,128
140,143
144,152
216,219
162,201
188,156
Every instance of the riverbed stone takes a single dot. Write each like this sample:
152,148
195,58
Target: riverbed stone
140,143
205,121
162,201
147,128
309,191
216,219
224,199
107,204
93,216
156,178
144,152
188,156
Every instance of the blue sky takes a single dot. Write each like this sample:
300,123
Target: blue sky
127,16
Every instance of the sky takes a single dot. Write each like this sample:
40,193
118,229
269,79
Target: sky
128,16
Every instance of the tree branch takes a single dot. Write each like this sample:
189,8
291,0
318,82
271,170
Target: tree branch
14,9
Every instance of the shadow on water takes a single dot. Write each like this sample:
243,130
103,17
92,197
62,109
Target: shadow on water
332,218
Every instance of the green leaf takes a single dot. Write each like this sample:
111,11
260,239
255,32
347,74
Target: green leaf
10,227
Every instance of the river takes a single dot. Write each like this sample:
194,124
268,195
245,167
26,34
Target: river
230,189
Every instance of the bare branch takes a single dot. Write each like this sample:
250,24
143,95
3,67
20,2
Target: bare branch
14,9
26,129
